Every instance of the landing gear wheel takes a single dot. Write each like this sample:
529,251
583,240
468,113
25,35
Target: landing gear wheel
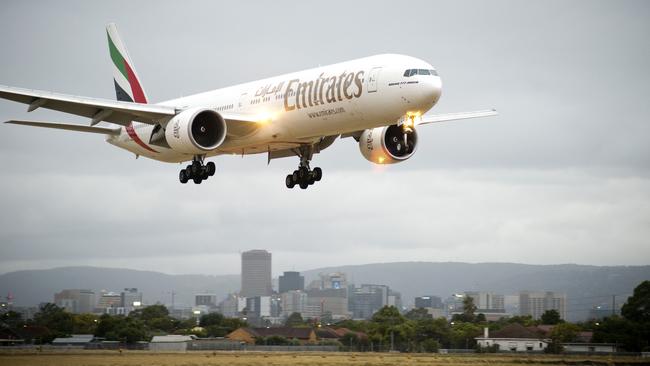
211,168
197,171
195,168
289,181
304,176
318,174
182,176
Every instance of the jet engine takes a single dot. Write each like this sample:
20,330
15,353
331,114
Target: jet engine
195,131
388,145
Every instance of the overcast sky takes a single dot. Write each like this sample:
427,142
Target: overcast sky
560,176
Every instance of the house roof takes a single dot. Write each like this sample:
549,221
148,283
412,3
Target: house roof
515,331
172,338
75,338
287,332
327,333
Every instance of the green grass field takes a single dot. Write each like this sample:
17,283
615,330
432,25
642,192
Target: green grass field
142,358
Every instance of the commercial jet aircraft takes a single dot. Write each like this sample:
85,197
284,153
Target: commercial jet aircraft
379,101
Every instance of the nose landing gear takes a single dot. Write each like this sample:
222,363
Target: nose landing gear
196,171
304,176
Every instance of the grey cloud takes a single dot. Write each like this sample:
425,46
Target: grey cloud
564,166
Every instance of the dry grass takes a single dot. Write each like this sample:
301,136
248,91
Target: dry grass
142,358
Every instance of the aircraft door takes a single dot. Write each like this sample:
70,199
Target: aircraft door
244,101
372,79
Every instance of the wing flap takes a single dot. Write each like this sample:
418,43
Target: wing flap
67,126
121,113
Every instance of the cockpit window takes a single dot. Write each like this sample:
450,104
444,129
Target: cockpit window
412,72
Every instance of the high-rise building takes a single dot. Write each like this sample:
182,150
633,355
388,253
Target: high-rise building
130,299
291,281
327,281
536,303
294,301
330,293
232,306
395,299
207,300
256,273
487,302
258,306
428,302
76,301
364,301
108,301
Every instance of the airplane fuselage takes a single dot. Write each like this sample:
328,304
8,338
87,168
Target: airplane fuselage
303,107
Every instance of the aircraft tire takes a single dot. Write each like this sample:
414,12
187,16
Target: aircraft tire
318,174
289,181
182,176
211,168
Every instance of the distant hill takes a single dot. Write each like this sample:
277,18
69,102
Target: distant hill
36,286
585,285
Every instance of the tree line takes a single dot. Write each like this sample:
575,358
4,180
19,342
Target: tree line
388,329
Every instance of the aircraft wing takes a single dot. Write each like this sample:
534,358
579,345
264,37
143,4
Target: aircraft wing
240,125
121,113
68,126
435,118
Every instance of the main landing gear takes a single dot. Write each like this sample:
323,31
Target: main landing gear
197,172
304,176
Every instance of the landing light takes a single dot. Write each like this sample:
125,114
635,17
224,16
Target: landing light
266,117
411,118
380,160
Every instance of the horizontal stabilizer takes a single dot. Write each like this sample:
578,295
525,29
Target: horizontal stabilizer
68,126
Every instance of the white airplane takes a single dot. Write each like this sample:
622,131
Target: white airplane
379,101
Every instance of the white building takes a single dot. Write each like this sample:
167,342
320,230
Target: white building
487,301
232,306
170,343
589,347
536,303
521,340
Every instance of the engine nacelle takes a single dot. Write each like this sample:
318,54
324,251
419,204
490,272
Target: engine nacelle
196,131
386,145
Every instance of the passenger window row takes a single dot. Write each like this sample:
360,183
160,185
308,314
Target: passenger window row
225,107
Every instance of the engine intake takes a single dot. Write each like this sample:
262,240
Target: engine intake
387,145
195,131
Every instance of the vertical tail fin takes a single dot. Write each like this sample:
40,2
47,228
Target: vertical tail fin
127,84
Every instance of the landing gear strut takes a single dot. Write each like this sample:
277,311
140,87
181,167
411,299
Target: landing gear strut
304,176
196,171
